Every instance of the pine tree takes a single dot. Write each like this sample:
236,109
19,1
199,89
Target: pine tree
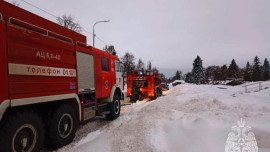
149,66
209,72
233,71
248,72
256,70
128,61
266,69
224,72
217,74
189,78
140,65
178,75
198,71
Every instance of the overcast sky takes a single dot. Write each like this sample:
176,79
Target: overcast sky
171,33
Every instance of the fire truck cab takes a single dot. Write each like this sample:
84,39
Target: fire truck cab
148,84
51,81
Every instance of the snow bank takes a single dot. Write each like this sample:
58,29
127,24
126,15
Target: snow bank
189,118
95,141
189,134
204,115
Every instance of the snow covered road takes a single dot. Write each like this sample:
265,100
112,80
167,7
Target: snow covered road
189,118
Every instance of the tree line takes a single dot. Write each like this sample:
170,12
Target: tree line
128,60
252,72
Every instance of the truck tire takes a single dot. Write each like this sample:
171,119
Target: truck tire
114,108
22,132
61,127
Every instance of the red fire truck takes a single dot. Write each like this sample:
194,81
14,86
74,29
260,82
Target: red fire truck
51,81
148,84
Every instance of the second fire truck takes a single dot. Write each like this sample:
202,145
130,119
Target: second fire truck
148,84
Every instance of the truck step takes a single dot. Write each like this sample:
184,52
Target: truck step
126,104
102,104
103,113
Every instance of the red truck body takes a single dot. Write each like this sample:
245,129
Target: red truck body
147,82
43,62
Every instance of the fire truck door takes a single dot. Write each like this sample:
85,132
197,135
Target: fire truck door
118,74
106,79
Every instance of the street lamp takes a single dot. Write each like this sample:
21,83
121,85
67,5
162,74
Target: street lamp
94,30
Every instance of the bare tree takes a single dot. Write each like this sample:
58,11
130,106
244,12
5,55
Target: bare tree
154,69
128,61
69,22
140,65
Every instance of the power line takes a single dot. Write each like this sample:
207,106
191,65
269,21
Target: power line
96,36
87,31
60,18
101,40
39,8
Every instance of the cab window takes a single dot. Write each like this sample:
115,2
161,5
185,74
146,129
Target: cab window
104,64
121,67
117,68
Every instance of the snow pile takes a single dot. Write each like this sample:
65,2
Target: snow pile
95,141
204,115
189,118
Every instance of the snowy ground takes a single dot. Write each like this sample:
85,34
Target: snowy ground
189,118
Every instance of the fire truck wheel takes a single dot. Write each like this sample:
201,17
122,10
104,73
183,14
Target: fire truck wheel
114,108
22,132
61,127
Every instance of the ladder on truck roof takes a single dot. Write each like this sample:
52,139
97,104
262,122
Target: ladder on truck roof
82,44
36,28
